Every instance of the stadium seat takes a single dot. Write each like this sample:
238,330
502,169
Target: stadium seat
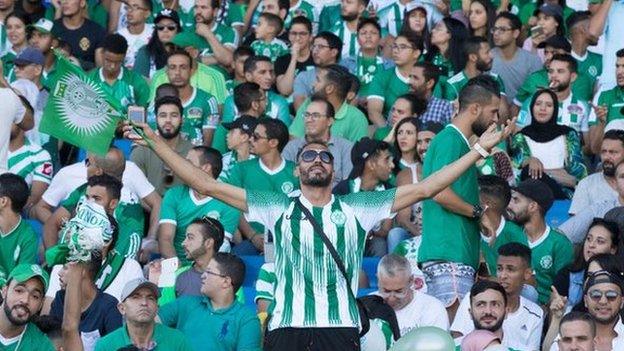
252,267
558,213
369,265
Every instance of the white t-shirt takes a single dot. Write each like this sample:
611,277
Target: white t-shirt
522,330
591,190
11,111
423,311
617,343
135,184
130,270
135,42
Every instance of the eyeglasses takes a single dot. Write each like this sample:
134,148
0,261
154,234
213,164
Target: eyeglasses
500,29
401,47
597,295
215,273
161,28
320,46
258,136
311,155
313,116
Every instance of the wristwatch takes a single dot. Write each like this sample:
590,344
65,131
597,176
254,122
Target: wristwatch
477,211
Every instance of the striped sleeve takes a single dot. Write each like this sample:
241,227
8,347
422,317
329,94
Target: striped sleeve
266,282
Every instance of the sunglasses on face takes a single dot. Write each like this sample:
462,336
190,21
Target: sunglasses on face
597,295
171,28
311,155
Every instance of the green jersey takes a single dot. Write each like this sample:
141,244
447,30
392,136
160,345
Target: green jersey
349,122
17,246
583,86
591,64
273,49
235,14
180,207
265,282
31,339
163,337
229,160
254,175
31,162
456,83
391,19
330,14
206,78
507,232
549,254
445,64
387,86
201,112
301,8
447,236
366,69
230,84
350,45
7,64
309,289
613,100
129,88
227,36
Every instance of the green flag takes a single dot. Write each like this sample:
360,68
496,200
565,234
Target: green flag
79,111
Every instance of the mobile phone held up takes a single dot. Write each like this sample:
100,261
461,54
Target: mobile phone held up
537,31
136,114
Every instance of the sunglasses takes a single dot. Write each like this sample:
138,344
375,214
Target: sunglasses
160,28
311,155
597,295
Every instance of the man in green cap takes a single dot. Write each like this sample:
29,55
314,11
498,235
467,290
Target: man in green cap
22,299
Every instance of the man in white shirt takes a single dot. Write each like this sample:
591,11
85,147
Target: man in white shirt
136,31
12,110
413,309
521,324
577,332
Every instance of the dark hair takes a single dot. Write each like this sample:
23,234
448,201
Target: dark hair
472,46
208,155
574,316
607,262
418,105
168,100
110,183
614,134
572,65
338,76
414,39
273,21
413,121
483,285
16,189
368,22
170,89
490,12
355,84
252,62
333,41
181,52
245,94
514,249
211,229
430,71
21,16
552,95
329,108
156,49
577,17
579,263
496,189
283,5
406,29
275,129
619,53
455,54
242,51
514,21
303,20
115,43
480,92
231,266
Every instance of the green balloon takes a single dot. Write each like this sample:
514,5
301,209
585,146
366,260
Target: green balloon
425,339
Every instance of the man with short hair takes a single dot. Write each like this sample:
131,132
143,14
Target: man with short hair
319,118
423,79
577,25
487,306
238,143
183,204
413,309
22,298
577,331
137,32
426,132
169,112
332,83
18,242
351,11
550,249
600,186
233,326
140,331
523,322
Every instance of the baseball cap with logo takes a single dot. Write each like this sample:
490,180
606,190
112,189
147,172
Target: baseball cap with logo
136,284
245,123
43,25
557,42
24,272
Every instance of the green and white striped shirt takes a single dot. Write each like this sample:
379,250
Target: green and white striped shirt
310,291
32,163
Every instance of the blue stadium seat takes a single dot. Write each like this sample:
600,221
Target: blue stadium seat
364,292
250,295
124,145
252,267
369,265
558,213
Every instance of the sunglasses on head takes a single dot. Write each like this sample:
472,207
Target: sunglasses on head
311,155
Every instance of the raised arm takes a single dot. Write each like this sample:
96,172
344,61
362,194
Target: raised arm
189,174
407,195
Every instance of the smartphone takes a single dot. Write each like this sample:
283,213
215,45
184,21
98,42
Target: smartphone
537,31
136,114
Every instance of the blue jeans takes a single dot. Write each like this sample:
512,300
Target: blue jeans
395,236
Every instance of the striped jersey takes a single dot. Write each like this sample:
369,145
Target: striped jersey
31,162
309,288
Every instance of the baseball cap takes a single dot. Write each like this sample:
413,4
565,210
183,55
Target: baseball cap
537,191
415,5
603,276
43,25
361,151
245,123
168,13
550,10
29,55
23,272
136,284
430,126
557,42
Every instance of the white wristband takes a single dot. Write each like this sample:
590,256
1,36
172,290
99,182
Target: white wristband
481,150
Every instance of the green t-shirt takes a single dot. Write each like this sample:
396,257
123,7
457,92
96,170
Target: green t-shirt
349,122
365,69
302,8
32,339
387,86
232,328
7,64
165,339
508,232
447,236
17,246
130,88
31,162
235,14
330,14
456,83
549,254
583,86
201,111
227,36
272,50
590,64
614,101
180,207
206,78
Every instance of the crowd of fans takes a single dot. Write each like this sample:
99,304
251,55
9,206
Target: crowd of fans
435,136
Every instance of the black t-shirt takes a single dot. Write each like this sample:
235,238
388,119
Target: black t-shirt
282,62
102,316
83,40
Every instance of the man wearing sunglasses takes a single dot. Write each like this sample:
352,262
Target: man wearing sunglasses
313,308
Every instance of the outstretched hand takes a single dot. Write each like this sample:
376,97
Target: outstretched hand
130,133
491,137
557,303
